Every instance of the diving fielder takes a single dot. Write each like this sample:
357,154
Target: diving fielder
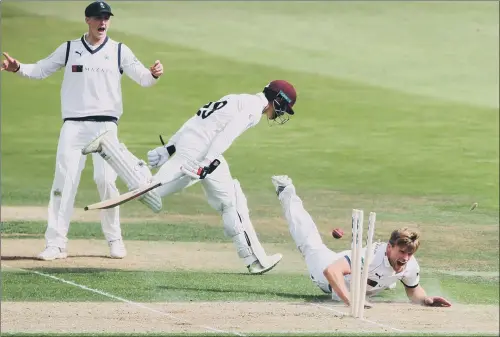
392,261
91,103
196,150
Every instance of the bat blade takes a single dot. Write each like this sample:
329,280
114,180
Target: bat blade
123,198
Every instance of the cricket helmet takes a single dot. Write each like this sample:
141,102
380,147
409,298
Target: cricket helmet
283,96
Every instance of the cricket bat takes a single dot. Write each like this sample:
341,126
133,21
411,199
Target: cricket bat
125,197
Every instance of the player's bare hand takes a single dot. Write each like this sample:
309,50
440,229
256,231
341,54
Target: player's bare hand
436,301
156,69
9,64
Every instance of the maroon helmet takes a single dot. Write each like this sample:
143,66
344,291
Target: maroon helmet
283,96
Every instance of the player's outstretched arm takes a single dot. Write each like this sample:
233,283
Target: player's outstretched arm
419,296
40,70
10,64
334,273
134,69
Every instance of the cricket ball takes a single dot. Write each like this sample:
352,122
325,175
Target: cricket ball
337,233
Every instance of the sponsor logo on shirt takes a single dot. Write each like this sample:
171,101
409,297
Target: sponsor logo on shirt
98,70
76,68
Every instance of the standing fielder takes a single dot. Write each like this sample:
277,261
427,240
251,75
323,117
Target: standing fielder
392,261
91,102
198,147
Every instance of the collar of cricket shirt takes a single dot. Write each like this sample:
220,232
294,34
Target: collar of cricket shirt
386,261
263,98
90,50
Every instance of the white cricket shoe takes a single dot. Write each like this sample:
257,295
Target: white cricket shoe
257,268
280,182
95,145
51,253
117,249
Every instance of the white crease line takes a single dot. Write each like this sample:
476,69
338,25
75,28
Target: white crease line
363,319
124,300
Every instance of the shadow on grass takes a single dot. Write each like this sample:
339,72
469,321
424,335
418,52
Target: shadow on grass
61,271
18,258
34,258
91,256
306,298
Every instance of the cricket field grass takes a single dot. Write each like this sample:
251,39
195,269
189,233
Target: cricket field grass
397,113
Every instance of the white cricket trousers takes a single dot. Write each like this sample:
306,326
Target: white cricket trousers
220,191
307,238
70,162
218,186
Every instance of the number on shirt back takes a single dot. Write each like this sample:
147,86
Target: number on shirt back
210,108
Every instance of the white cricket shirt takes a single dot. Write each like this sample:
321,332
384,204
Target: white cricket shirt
92,76
381,275
212,130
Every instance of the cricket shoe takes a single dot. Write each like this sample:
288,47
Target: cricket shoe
280,182
95,145
52,253
257,268
117,249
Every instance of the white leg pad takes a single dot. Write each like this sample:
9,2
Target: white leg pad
233,228
249,231
131,170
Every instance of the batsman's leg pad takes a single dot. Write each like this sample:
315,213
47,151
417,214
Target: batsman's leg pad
251,235
234,229
131,170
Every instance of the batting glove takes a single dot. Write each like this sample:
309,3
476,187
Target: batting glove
160,155
199,170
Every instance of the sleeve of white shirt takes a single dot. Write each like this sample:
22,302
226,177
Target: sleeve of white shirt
176,135
412,278
227,136
134,69
46,67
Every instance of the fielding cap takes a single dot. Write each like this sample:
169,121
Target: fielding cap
97,8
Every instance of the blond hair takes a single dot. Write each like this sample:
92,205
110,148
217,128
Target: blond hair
405,238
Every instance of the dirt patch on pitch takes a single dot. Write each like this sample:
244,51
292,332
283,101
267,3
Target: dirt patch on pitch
145,255
240,318
36,213
272,225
